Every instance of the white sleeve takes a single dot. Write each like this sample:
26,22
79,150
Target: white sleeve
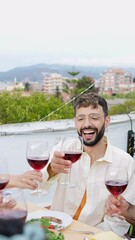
130,194
120,228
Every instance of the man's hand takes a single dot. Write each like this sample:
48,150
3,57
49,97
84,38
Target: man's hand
26,180
59,164
115,205
7,201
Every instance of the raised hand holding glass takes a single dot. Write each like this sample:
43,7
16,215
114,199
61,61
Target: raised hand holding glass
37,154
116,181
72,147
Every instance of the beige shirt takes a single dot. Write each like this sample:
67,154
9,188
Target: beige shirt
91,179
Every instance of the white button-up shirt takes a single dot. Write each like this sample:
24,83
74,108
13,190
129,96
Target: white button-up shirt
91,179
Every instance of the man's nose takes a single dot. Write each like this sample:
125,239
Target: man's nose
87,121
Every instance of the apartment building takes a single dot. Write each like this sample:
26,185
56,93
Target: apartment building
116,81
53,81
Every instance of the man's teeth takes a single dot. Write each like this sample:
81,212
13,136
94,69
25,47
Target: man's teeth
88,132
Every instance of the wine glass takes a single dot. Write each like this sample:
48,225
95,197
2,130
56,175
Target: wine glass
4,173
116,181
13,205
72,147
37,154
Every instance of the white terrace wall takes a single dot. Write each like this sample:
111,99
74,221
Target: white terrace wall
14,137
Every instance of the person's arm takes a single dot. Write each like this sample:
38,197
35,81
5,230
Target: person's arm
25,180
130,214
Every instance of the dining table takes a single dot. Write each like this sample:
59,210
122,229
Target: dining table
68,232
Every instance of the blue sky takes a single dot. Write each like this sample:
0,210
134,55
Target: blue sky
77,32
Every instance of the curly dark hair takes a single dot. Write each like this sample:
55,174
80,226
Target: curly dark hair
91,99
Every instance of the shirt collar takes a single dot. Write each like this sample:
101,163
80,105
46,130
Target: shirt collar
108,154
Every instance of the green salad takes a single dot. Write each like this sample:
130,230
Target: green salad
53,236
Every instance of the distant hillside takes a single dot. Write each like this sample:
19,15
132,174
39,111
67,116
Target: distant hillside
34,72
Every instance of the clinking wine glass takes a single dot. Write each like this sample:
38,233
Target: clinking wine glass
116,181
13,205
4,173
72,147
37,154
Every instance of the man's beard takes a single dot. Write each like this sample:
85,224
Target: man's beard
97,139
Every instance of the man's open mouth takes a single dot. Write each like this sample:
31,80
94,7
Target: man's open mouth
88,133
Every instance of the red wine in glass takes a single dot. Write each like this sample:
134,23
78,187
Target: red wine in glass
72,156
10,214
37,154
3,183
116,187
116,181
4,173
13,205
37,163
72,147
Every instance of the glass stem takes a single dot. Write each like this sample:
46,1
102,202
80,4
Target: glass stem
39,188
69,176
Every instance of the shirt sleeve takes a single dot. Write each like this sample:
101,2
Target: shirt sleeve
120,227
129,193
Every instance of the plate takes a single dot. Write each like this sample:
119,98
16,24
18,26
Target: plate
66,218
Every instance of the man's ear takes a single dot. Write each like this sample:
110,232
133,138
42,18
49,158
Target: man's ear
107,121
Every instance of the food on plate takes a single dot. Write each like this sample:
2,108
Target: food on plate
53,236
53,219
47,224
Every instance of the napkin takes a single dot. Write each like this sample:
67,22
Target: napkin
105,236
